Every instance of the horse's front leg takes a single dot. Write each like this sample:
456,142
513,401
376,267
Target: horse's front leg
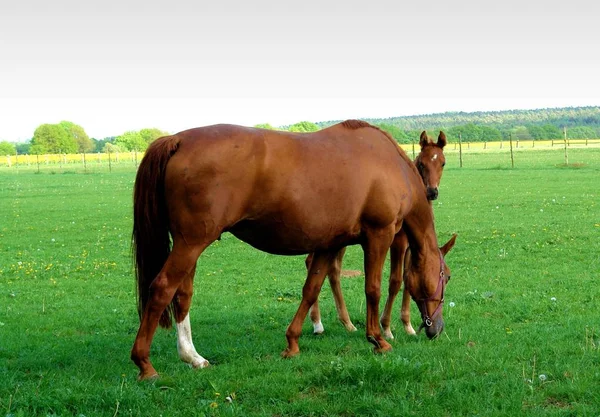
397,253
375,248
310,292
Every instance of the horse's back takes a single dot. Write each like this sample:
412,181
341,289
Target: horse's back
284,192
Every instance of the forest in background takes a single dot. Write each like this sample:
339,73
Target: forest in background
540,124
487,126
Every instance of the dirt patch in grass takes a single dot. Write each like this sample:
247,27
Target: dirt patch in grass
350,273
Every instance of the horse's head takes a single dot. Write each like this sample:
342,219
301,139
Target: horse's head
430,163
426,283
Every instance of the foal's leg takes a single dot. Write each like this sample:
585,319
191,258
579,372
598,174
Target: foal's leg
185,345
405,313
333,273
179,265
315,312
310,293
397,252
375,249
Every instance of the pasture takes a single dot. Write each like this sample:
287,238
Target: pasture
522,335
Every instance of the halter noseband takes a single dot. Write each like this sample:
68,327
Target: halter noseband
422,303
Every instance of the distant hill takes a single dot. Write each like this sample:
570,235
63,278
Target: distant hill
581,122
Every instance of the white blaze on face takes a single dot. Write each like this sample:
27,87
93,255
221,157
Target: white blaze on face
435,156
185,346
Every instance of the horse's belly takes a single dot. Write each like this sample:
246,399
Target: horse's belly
280,239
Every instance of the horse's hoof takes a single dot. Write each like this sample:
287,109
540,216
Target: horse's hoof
148,377
200,365
350,327
387,333
318,328
382,349
289,353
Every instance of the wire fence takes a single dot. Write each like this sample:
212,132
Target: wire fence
120,161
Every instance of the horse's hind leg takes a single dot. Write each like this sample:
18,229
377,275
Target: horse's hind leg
310,292
179,265
185,345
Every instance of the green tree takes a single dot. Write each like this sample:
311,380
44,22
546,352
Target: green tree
131,141
552,132
490,134
304,127
23,147
468,133
521,133
151,134
397,133
581,132
101,143
7,148
264,126
537,132
111,148
84,143
52,138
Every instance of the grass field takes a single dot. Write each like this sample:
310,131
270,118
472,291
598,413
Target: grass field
523,337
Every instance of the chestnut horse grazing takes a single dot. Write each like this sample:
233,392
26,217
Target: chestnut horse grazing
283,193
430,163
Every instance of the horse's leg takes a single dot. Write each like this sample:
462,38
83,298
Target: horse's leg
405,313
375,249
185,345
315,312
334,272
179,265
310,292
397,252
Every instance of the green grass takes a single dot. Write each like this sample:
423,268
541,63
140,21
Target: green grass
524,283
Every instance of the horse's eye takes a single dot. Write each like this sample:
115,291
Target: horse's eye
443,164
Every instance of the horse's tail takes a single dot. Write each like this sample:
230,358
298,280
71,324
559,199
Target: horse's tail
151,240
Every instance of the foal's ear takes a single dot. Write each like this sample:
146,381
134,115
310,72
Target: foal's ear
441,140
424,140
449,245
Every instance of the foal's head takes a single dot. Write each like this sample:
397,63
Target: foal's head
430,163
426,283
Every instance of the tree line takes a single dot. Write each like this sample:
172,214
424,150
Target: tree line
579,123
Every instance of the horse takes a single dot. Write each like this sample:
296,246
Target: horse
430,163
280,192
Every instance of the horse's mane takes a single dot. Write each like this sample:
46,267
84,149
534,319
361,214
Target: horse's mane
357,124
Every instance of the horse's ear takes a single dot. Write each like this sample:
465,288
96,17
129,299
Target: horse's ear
449,245
424,140
441,140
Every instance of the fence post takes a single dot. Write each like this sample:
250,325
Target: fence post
566,155
512,159
460,148
109,162
84,163
37,157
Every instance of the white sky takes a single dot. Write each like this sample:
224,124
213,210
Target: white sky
115,66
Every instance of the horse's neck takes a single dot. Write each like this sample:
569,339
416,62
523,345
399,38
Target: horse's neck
420,230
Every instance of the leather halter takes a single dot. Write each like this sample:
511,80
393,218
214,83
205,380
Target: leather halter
439,292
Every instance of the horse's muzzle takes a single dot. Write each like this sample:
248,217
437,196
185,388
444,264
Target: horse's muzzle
435,329
432,193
